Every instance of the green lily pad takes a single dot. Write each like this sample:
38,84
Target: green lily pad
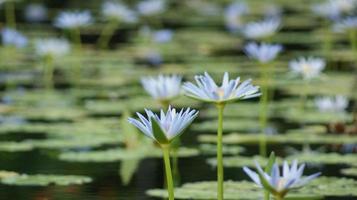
325,158
117,154
7,174
44,180
229,125
292,137
211,149
318,188
309,116
342,85
101,107
241,161
311,158
15,146
350,171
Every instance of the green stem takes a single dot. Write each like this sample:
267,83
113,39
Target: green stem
107,34
48,72
76,38
327,43
175,145
220,170
10,14
306,146
353,40
266,195
278,197
263,117
169,180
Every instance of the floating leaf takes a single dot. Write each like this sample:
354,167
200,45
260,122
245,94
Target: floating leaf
44,180
350,171
234,190
15,146
117,154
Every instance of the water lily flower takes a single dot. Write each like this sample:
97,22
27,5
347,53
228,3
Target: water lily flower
171,124
153,58
73,19
11,37
151,7
233,14
163,129
162,88
35,12
346,24
262,29
262,52
52,47
333,9
163,36
335,104
119,12
308,68
230,90
279,184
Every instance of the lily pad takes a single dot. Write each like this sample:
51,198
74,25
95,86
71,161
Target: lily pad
44,180
325,158
321,187
350,171
117,154
15,146
240,161
211,149
293,137
229,125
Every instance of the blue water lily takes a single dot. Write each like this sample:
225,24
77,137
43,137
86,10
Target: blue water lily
262,52
280,183
230,90
165,127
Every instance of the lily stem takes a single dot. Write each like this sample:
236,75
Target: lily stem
169,180
353,40
48,72
220,170
107,34
278,197
76,38
263,117
10,14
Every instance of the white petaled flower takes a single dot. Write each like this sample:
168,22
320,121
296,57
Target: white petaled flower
331,104
162,88
171,124
73,19
261,29
264,52
233,14
35,12
118,11
151,7
308,68
11,37
280,183
333,9
230,90
163,36
346,24
52,47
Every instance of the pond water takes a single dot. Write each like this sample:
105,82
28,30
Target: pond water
64,110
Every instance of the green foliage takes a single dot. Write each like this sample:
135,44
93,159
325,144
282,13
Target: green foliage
44,180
